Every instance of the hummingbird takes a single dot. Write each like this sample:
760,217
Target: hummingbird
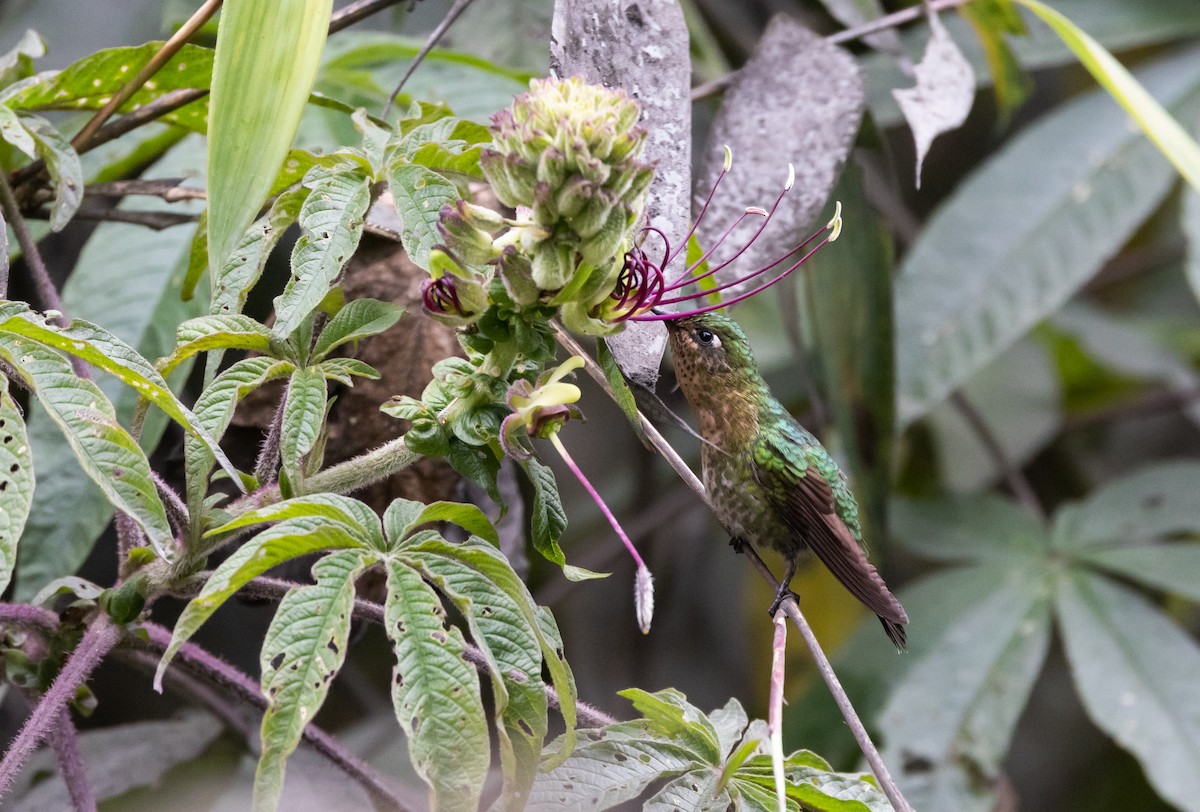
770,481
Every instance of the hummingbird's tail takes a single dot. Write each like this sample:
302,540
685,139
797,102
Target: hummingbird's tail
895,633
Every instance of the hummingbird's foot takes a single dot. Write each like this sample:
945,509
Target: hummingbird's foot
738,544
782,595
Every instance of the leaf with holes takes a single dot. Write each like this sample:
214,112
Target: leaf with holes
358,319
109,455
273,546
435,693
303,417
419,195
304,648
1037,220
332,222
16,481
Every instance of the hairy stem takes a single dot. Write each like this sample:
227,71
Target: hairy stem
99,639
28,616
886,783
221,674
48,296
70,765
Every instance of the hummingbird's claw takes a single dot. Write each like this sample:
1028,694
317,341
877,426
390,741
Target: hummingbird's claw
782,595
738,544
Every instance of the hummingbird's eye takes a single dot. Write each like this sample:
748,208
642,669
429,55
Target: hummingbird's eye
708,338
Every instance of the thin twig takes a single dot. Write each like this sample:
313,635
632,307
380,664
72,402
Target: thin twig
349,14
430,42
97,641
893,20
157,220
886,783
70,765
169,189
1016,480
217,672
48,296
1158,402
168,50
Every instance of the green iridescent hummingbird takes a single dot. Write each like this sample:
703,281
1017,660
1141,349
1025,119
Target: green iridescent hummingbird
770,481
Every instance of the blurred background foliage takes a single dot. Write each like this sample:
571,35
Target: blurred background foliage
1042,363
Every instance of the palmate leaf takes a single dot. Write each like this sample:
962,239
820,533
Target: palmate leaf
1032,244
287,540
16,481
107,453
332,221
264,67
107,352
304,648
435,693
1135,671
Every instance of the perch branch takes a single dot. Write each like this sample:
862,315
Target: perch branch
789,605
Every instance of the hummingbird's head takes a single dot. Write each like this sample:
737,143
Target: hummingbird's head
710,352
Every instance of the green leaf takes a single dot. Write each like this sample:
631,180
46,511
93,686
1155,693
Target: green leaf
1075,184
1135,672
991,20
968,528
214,411
436,693
304,649
206,333
695,790
332,220
264,68
957,707
446,145
547,520
1190,223
403,516
672,716
1173,568
355,517
1145,506
273,546
850,307
624,395
419,195
62,162
17,64
358,319
344,370
105,351
303,417
1158,125
109,456
478,464
505,630
16,481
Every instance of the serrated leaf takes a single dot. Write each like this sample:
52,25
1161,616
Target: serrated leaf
304,649
107,453
332,220
62,162
16,481
264,67
107,352
273,546
207,333
547,520
1145,506
303,417
968,528
446,145
695,790
419,195
232,283
505,630
214,410
673,717
1135,671
480,465
468,517
354,516
1037,219
358,319
944,92
959,704
345,370
435,693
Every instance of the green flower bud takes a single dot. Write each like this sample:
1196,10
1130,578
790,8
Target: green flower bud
516,272
428,437
553,264
469,243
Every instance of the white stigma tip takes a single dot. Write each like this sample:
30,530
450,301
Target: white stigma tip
791,178
836,223
728,158
756,210
643,598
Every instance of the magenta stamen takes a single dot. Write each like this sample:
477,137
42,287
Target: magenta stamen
735,299
699,217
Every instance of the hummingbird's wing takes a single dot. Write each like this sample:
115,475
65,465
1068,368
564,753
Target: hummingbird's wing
794,471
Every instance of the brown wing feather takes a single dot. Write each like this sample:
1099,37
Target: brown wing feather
808,509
